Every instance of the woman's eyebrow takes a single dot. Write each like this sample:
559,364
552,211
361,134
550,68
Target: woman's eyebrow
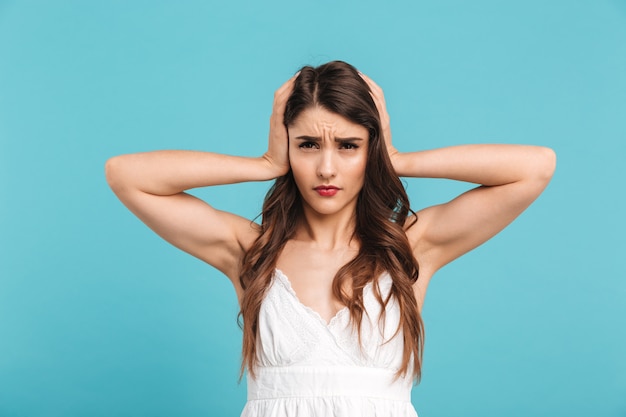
355,139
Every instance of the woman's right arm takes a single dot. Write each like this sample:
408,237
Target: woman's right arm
152,186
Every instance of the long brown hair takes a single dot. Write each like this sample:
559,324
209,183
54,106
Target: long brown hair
381,214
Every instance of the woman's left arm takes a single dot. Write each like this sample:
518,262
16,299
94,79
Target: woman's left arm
511,177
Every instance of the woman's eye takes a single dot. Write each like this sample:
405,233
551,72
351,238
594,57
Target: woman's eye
307,145
348,146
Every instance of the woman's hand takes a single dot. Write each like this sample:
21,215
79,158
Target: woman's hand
379,99
277,155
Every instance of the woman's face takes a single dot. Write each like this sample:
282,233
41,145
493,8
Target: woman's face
328,155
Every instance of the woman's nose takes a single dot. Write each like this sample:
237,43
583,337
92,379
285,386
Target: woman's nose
327,165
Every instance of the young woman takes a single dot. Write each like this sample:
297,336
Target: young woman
331,283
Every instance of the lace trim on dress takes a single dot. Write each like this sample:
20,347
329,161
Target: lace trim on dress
339,316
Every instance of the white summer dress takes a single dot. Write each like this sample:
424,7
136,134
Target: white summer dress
310,368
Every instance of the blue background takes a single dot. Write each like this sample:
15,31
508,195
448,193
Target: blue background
99,317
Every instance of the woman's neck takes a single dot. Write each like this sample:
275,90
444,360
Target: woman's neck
327,232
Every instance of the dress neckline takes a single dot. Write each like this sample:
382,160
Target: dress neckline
338,315
285,280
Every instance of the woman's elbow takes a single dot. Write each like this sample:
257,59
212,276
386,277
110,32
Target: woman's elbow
113,171
544,164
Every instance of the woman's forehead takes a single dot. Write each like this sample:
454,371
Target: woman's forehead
317,121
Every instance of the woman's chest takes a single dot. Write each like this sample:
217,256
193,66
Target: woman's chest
311,275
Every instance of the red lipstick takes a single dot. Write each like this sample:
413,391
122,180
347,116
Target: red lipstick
326,190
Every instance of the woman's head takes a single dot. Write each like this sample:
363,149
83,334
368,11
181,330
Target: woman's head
333,100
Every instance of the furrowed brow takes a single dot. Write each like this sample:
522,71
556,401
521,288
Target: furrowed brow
317,139
348,139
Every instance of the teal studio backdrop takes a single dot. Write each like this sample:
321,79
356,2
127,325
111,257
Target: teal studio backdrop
99,317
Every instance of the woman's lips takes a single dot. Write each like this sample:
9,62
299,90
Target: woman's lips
326,190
